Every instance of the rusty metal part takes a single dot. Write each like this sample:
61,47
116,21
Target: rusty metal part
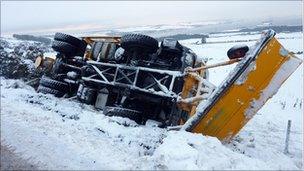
90,40
111,39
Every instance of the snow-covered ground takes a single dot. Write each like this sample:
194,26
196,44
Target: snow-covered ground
61,133
184,25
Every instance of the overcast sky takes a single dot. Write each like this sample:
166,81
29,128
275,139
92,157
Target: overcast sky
53,15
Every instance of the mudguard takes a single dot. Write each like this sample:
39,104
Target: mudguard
249,85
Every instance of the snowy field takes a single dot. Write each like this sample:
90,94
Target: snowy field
56,133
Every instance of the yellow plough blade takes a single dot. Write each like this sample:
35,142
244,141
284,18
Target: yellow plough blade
247,88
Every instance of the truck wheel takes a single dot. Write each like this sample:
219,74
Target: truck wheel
130,41
79,44
64,48
107,52
47,90
68,39
81,48
112,50
123,112
103,51
96,48
54,84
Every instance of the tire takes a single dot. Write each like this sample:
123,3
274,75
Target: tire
64,48
79,44
54,84
123,112
129,41
97,46
107,52
68,39
111,54
103,51
237,51
82,48
47,90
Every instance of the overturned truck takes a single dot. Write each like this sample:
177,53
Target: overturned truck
136,77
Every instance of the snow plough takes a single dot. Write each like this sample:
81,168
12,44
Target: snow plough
137,77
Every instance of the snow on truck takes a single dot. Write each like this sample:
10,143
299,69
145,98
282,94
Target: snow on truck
133,76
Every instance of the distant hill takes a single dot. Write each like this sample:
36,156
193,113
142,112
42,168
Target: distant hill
184,36
277,29
32,38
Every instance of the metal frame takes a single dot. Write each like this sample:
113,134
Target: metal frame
127,77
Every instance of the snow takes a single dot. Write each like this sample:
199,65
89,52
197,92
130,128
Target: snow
183,25
62,134
153,28
50,54
58,133
69,135
232,30
182,150
201,23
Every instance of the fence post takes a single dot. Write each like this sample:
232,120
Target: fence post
287,137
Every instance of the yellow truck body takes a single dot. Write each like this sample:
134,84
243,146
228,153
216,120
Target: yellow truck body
254,80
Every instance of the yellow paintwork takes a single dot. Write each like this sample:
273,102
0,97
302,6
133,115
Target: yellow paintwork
191,89
227,117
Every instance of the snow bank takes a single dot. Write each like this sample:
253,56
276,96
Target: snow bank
182,150
64,134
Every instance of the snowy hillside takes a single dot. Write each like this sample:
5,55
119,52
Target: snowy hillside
58,133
